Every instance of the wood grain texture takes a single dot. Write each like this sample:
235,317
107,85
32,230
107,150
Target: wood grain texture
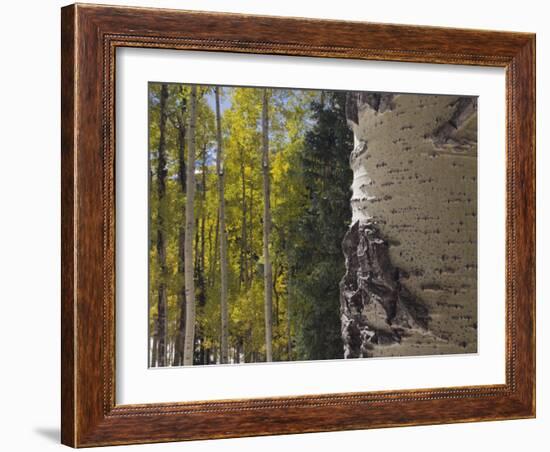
67,226
90,36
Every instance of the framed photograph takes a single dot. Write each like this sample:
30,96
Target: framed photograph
280,225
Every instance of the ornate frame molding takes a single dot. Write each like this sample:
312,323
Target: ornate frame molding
90,37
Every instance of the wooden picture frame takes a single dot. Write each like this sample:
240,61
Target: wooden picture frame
90,36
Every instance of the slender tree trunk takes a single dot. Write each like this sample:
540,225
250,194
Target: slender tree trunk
276,293
214,264
223,239
199,255
266,231
180,333
244,243
161,242
182,176
237,358
196,254
211,276
189,234
203,222
288,304
154,348
250,233
198,295
151,236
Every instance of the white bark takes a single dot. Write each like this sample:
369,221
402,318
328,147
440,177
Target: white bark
223,238
189,234
415,169
288,323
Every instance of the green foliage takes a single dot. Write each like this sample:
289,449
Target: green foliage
317,255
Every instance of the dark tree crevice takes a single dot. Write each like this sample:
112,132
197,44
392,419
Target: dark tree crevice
376,308
464,109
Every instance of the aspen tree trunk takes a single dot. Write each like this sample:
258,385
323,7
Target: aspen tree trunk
161,243
215,254
266,231
180,333
250,233
288,304
154,354
414,226
189,234
201,275
199,255
244,242
223,240
196,254
211,276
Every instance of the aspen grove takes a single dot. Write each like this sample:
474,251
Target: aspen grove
248,204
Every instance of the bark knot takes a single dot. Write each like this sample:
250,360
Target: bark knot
358,101
376,309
